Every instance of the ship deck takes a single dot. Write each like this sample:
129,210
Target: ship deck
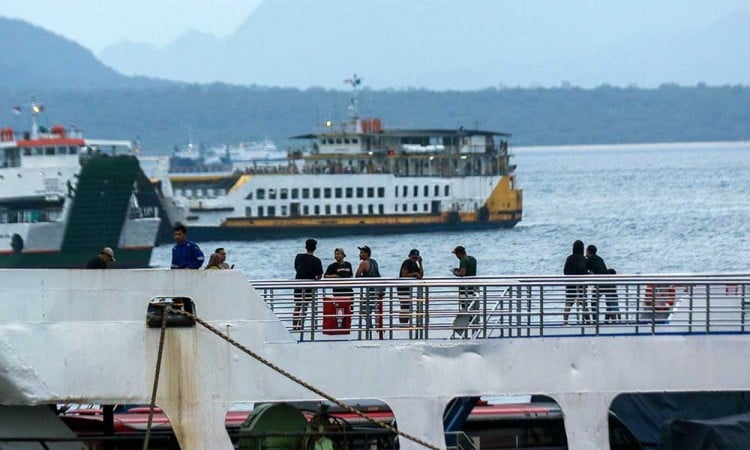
77,335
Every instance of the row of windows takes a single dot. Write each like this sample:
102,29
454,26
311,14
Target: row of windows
189,193
317,210
294,193
360,192
425,191
339,141
35,151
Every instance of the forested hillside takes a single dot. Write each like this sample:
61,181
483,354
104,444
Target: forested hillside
165,116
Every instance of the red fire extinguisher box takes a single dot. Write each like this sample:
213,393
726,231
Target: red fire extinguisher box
337,315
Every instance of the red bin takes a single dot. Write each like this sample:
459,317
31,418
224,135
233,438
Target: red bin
337,315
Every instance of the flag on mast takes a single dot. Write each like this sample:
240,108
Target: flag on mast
16,110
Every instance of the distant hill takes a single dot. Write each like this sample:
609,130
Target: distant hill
214,114
76,88
34,58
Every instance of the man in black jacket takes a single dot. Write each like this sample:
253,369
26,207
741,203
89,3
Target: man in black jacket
575,265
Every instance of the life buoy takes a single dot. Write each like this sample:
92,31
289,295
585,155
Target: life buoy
659,297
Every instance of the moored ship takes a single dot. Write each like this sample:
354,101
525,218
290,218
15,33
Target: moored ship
359,177
63,198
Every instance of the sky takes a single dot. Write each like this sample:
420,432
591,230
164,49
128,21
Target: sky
96,24
509,42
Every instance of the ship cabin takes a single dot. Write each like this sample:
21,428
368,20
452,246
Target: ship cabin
38,170
366,147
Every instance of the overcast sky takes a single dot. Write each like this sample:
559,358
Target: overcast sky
521,42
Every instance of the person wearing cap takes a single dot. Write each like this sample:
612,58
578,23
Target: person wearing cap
410,268
102,260
467,267
368,268
185,254
307,266
340,269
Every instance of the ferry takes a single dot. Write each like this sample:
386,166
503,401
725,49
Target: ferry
79,336
64,197
358,177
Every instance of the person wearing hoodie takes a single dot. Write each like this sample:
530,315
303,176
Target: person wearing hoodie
575,265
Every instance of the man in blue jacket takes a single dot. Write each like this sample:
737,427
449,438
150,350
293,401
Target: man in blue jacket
185,254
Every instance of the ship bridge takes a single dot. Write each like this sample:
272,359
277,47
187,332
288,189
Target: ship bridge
413,344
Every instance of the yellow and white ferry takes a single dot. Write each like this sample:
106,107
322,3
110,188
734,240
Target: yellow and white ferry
357,178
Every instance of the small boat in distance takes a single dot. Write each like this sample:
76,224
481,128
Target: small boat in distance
63,198
358,177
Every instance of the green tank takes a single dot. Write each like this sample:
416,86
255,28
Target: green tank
266,427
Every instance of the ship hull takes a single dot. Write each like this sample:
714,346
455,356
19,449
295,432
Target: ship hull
329,228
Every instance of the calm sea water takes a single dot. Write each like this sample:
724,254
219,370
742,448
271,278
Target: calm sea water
648,208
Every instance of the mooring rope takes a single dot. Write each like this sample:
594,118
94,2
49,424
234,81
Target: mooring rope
301,382
156,379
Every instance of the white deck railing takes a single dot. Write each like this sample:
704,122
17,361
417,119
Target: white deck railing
505,307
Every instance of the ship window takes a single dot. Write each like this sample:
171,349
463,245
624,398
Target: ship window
284,194
260,211
271,211
360,209
349,209
317,210
414,207
271,195
381,209
305,192
188,193
349,192
283,210
437,190
328,210
395,191
60,150
346,140
426,191
210,192
381,192
260,194
49,150
371,209
221,192
338,140
406,207
37,150
305,210
447,190
249,196
338,209
425,208
338,192
330,141
326,192
416,191
355,140
360,192
295,193
72,150
405,191
248,211
27,152
395,207
370,192
316,192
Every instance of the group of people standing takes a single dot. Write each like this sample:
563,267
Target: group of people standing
575,294
307,266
